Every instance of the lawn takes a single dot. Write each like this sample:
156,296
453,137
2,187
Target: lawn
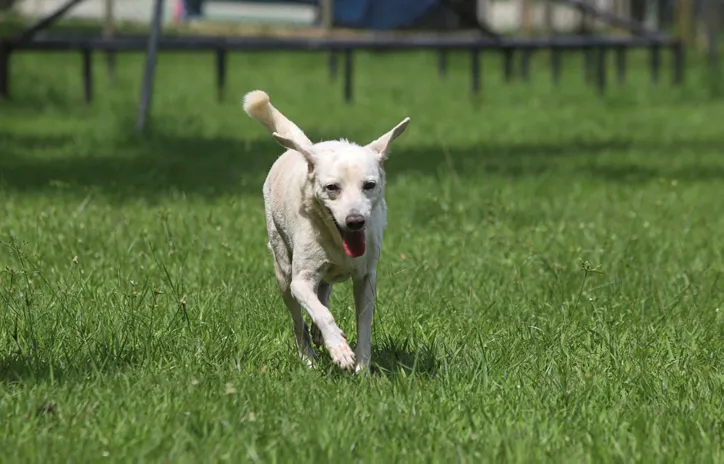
549,289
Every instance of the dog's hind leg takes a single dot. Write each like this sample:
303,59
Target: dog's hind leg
365,289
323,292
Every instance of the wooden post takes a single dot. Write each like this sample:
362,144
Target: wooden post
678,63
220,73
109,24
328,24
4,69
348,65
327,14
621,64
475,70
619,10
601,69
442,62
684,10
638,10
556,64
109,30
548,16
625,11
150,68
87,74
508,64
585,25
712,10
526,16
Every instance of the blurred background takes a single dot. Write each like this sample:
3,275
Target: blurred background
550,284
526,16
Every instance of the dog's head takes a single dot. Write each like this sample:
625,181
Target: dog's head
348,181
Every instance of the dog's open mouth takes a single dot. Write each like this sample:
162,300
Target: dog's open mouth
353,241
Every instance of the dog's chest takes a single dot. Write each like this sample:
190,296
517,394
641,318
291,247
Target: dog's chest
336,273
338,267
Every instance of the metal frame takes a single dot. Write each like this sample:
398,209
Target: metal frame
594,49
43,23
476,46
150,68
410,42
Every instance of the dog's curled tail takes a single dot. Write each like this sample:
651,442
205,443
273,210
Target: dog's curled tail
257,105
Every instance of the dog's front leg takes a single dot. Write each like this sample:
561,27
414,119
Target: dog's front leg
364,301
304,291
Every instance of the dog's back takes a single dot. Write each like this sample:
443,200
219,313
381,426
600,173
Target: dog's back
282,190
283,184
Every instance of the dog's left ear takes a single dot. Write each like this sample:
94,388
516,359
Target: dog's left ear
381,146
292,144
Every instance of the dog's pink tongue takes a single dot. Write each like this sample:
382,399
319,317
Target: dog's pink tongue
354,243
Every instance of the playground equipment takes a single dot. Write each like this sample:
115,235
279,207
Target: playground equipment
595,49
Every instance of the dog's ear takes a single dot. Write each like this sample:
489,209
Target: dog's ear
293,145
381,146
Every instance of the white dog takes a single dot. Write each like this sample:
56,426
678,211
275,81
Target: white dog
325,216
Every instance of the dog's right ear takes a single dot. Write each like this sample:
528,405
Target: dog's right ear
381,146
290,144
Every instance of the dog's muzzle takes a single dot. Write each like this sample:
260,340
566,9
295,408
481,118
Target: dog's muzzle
355,222
353,234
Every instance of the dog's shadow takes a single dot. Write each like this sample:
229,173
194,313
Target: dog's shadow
393,358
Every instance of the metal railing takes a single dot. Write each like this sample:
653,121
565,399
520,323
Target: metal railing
594,49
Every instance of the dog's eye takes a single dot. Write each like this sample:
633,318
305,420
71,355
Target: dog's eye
369,185
332,188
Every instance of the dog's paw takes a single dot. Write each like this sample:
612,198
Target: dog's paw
342,355
317,337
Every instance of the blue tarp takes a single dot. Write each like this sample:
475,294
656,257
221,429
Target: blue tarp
380,14
361,14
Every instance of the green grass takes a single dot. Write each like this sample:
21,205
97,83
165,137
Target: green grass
549,290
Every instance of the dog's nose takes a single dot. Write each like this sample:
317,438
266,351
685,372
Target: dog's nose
355,221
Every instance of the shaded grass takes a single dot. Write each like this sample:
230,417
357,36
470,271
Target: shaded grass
550,285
